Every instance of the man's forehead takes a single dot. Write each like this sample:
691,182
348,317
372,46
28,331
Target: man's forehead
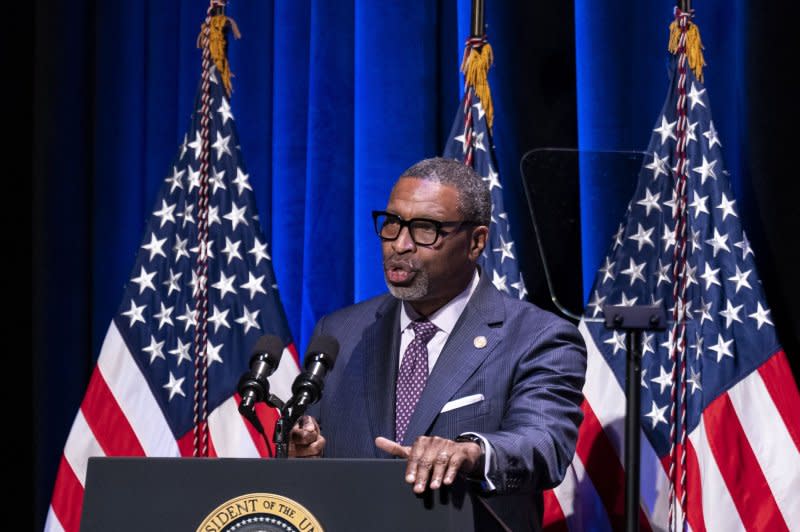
413,197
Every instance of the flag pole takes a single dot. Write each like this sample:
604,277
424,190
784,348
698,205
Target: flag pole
477,27
475,64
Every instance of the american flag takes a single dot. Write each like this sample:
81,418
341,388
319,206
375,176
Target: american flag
728,411
139,401
470,141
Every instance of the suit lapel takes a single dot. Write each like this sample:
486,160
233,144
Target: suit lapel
460,357
380,348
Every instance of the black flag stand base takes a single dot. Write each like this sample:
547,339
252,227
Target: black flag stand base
633,320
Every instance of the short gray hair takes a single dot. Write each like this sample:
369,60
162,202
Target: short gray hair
474,199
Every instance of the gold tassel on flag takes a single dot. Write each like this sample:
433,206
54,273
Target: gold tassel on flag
478,57
218,46
694,46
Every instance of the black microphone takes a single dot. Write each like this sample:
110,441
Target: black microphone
253,385
319,359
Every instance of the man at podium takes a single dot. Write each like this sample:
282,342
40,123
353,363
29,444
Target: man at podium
446,371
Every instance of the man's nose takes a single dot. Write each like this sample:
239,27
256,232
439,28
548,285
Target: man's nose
404,243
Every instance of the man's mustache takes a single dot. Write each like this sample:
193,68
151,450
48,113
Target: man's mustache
394,262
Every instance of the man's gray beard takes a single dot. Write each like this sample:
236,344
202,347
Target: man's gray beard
416,290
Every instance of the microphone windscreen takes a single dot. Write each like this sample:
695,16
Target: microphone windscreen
269,344
323,344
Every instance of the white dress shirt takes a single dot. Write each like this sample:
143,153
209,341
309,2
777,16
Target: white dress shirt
445,319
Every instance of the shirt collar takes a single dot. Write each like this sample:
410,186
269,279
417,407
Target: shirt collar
446,317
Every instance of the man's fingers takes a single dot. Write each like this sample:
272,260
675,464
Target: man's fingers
391,447
305,439
440,465
312,450
431,460
453,467
437,461
308,423
422,461
305,431
395,449
303,436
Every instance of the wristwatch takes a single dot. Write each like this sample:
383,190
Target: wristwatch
479,467
470,437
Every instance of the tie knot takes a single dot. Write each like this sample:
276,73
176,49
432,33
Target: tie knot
423,330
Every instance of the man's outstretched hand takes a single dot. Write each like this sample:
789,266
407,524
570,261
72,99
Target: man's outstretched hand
433,460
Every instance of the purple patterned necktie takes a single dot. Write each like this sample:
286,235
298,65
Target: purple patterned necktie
413,375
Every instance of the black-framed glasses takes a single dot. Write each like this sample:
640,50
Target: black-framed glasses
423,231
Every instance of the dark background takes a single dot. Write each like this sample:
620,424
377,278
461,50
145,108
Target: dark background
100,95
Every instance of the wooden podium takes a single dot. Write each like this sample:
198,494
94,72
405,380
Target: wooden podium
242,494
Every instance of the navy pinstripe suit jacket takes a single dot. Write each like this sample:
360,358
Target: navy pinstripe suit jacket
530,373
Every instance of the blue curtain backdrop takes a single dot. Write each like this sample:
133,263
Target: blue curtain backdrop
621,65
333,100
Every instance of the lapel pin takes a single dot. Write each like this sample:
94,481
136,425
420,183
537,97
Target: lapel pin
479,342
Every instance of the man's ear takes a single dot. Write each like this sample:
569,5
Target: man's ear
477,241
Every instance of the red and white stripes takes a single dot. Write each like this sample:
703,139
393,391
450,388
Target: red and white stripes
119,417
742,461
